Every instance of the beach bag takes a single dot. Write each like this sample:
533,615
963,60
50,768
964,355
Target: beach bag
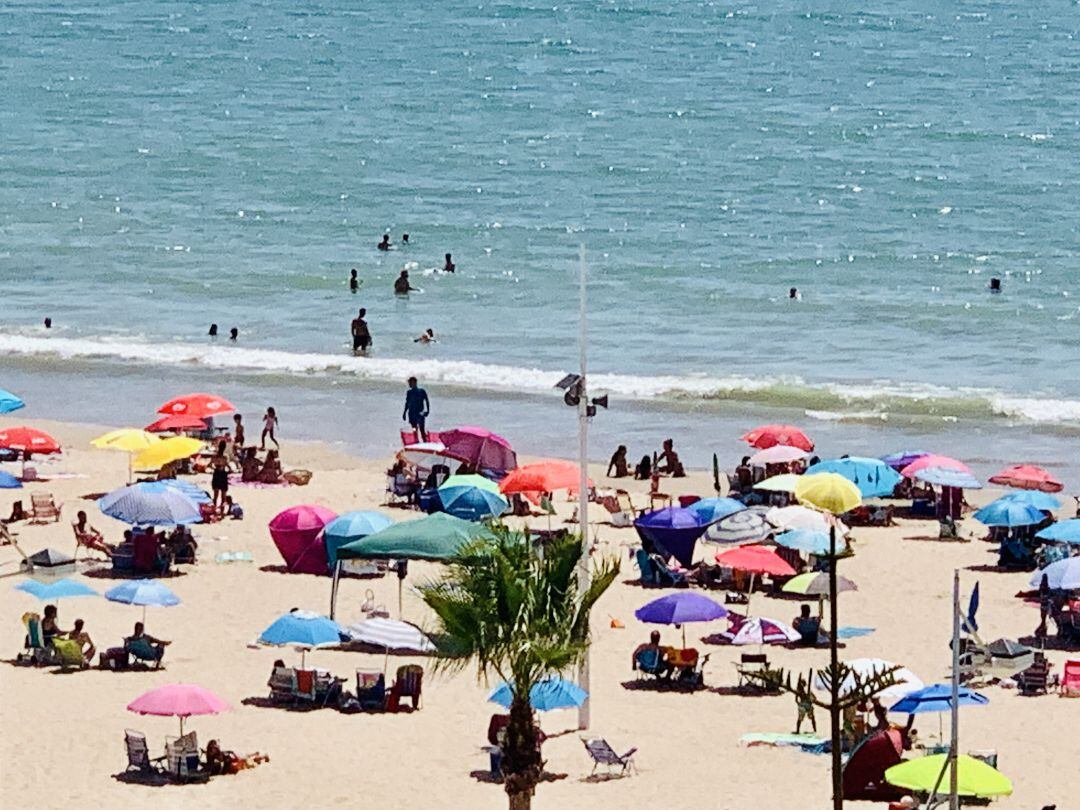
299,478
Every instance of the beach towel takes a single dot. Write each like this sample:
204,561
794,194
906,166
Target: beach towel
853,632
806,742
234,556
236,481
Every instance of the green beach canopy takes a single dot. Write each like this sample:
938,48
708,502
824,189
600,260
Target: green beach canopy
435,537
976,778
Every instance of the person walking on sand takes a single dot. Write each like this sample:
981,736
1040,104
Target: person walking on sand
402,285
804,701
361,335
417,408
270,423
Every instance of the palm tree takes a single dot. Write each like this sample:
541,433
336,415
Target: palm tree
521,615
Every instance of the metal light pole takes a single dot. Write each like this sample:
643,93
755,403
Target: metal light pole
834,681
584,565
954,736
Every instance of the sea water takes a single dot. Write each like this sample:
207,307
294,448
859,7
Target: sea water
165,165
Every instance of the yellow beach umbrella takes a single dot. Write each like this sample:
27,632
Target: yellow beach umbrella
828,492
130,440
976,778
167,450
779,483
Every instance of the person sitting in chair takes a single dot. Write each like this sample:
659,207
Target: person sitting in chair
649,649
668,463
49,627
140,641
86,646
806,626
86,535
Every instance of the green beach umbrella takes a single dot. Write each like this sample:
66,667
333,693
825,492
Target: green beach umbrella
477,481
976,778
435,537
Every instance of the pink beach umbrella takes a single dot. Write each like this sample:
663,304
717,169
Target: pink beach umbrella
297,533
1027,476
933,460
178,700
479,448
762,631
769,435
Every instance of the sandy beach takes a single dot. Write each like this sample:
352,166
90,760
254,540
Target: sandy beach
63,733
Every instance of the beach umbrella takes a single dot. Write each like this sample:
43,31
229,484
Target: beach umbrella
9,481
547,695
200,406
873,477
974,777
763,631
390,634
769,435
1063,575
710,510
680,608
747,526
785,482
471,502
150,503
937,698
298,534
792,518
48,565
1064,531
181,700
1027,476
934,460
187,488
828,492
547,475
1010,513
808,541
349,527
673,531
1043,501
28,439
755,560
128,440
816,583
947,477
424,455
435,537
9,402
907,681
166,451
58,589
304,630
903,458
144,593
175,422
777,454
479,448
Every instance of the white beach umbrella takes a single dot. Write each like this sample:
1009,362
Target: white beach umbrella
907,681
800,517
391,635
777,454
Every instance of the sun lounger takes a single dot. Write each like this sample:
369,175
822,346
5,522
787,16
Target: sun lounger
601,753
407,684
400,489
138,755
327,688
43,508
1070,679
305,685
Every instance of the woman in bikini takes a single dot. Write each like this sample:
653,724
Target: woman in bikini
219,479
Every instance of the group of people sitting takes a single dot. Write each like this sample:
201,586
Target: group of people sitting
148,550
139,644
666,462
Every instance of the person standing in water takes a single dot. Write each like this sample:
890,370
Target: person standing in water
404,239
417,408
213,330
402,285
270,423
361,335
234,333
354,282
385,243
449,267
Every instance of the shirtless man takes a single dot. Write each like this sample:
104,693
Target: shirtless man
402,285
361,335
385,243
449,267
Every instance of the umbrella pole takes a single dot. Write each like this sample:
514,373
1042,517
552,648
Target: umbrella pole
400,597
750,593
144,615
334,588
181,725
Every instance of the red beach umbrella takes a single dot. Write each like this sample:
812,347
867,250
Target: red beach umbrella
755,560
1027,476
200,406
542,476
770,435
176,422
28,439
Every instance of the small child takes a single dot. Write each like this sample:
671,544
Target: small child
270,423
233,509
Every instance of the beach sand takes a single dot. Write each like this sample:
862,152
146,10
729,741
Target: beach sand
63,733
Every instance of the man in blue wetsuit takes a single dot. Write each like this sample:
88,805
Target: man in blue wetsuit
417,408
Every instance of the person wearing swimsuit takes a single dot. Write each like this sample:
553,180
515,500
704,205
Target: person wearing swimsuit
219,478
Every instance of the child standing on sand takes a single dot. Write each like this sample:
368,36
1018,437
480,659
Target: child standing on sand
270,423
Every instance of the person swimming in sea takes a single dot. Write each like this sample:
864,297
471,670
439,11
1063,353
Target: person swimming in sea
213,330
404,239
385,243
426,337
401,284
354,282
995,285
794,294
234,333
449,267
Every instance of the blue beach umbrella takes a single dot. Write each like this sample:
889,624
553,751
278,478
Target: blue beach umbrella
187,488
1043,501
947,477
549,694
1064,531
9,402
902,458
150,504
937,698
1004,512
710,510
673,531
144,593
808,541
9,481
60,589
303,629
1063,575
873,477
471,502
349,527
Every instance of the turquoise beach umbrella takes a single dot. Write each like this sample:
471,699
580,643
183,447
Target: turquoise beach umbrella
60,589
9,402
873,477
349,527
470,502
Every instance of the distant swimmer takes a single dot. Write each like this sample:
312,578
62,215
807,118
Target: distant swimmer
449,267
385,243
995,285
426,337
234,333
361,335
213,330
354,282
401,284
48,323
794,294
404,239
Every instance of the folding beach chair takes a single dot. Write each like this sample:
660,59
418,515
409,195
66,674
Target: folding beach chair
69,653
182,759
601,753
43,508
1070,679
138,755
371,690
408,683
35,651
282,685
751,663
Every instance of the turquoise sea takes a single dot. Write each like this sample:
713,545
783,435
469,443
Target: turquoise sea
165,165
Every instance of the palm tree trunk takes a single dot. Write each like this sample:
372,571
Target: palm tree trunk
521,765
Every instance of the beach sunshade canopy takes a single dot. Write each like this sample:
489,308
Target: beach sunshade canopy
28,439
9,402
165,451
816,583
1063,575
59,589
755,560
1064,531
974,777
350,527
778,483
145,592
791,518
129,440
769,435
1006,512
548,695
391,635
948,477
764,631
201,406
150,503
302,628
1027,476
873,477
548,475
673,531
710,510
471,502
680,608
934,460
9,481
741,527
907,681
436,537
777,454
178,700
175,422
828,492
1043,501
809,541
298,534
937,698
479,448
903,458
